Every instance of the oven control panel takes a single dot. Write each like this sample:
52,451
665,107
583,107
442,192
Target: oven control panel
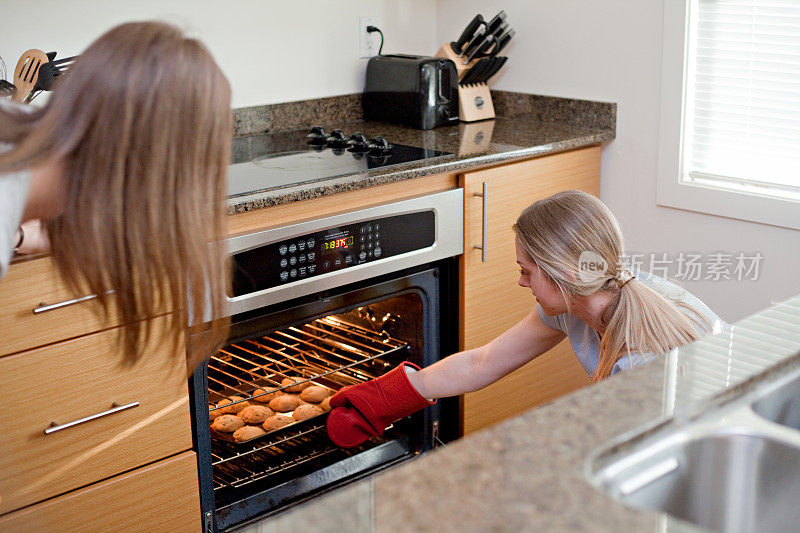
331,249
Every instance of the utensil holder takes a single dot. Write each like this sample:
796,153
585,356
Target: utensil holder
475,99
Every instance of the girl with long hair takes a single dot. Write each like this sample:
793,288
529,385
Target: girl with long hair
569,249
126,165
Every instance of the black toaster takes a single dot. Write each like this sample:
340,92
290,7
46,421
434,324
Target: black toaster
417,91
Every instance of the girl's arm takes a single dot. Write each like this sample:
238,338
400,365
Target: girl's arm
474,369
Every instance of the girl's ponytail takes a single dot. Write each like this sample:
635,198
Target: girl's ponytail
641,321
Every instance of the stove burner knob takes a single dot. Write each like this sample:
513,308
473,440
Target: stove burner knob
337,139
316,135
379,145
358,142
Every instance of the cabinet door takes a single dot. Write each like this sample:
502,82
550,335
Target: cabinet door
131,415
491,300
162,496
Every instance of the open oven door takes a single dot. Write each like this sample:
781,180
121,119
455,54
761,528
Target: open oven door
330,340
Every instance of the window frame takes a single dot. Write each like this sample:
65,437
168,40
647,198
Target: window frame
746,204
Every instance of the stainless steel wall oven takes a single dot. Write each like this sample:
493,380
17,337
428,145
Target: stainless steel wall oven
328,302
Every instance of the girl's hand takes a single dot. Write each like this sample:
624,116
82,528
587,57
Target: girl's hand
366,410
35,238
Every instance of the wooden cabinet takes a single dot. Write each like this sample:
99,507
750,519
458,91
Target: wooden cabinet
35,284
491,300
163,496
132,469
74,380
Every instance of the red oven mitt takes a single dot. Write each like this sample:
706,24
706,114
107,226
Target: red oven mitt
365,410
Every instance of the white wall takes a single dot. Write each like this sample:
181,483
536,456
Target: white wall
608,51
611,51
271,51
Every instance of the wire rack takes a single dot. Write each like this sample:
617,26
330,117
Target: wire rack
236,468
329,351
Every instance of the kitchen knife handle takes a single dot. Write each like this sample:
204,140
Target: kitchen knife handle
477,38
115,408
488,41
485,223
496,21
467,34
503,41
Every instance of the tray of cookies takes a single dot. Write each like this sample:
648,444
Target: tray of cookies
242,419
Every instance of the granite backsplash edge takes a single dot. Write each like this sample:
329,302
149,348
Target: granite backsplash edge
304,114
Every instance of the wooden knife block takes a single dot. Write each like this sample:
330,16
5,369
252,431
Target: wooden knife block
475,99
475,102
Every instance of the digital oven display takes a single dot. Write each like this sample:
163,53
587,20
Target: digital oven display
328,250
338,243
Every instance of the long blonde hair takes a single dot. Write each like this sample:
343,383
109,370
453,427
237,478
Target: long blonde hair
556,231
142,124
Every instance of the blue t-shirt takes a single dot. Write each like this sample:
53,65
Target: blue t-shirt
585,341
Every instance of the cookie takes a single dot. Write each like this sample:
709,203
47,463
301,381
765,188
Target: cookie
227,423
247,432
306,411
325,404
255,414
314,394
276,422
232,408
287,382
285,403
261,396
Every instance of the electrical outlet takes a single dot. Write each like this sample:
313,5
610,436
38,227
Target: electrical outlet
368,42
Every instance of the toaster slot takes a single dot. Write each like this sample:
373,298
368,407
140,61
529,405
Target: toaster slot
445,86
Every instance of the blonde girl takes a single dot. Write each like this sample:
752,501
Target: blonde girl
126,166
568,248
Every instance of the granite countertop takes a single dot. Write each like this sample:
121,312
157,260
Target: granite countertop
526,126
528,473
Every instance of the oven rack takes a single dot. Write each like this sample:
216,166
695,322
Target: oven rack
236,469
271,460
285,437
329,350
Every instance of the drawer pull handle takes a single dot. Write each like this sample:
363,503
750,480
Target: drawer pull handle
484,223
116,408
44,307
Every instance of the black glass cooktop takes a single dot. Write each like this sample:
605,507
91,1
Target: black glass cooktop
267,162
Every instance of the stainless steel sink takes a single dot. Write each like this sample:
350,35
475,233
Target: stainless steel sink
733,468
781,404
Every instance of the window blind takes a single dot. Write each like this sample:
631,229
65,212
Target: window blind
742,112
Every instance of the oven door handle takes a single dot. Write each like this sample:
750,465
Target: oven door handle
485,223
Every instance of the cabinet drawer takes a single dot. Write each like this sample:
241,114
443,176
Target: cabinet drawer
490,299
32,284
160,497
74,380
